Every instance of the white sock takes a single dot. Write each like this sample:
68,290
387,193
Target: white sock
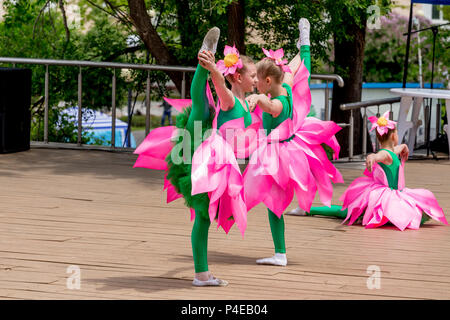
296,212
210,40
303,28
279,259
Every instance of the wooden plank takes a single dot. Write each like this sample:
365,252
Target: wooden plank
93,210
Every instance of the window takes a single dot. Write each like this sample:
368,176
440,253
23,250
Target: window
436,12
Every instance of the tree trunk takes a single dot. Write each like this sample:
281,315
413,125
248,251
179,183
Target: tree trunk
153,42
349,58
185,25
236,25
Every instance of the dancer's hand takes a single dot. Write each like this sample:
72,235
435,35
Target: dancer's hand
206,60
370,160
403,151
252,101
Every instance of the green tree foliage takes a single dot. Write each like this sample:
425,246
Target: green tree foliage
35,29
386,48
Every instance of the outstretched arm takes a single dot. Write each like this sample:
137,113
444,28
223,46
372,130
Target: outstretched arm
226,97
402,150
274,107
381,156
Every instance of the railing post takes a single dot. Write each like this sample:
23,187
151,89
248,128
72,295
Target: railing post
183,86
438,118
427,117
113,111
350,138
46,105
365,133
147,105
327,102
80,116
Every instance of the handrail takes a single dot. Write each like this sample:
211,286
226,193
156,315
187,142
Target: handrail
115,65
96,64
368,103
329,77
364,105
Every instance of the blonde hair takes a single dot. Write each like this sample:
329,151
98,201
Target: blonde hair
267,68
246,60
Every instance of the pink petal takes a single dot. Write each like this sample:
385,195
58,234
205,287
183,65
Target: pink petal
382,130
286,69
179,104
373,119
374,125
235,50
278,54
232,69
228,50
221,66
267,53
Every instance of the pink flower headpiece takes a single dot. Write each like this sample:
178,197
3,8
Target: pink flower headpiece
277,57
231,61
383,124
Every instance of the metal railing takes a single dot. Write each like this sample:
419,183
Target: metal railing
364,105
114,66
92,64
328,78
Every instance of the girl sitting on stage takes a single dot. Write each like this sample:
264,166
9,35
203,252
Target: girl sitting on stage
381,196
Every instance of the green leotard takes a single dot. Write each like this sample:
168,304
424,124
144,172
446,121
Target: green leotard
391,170
269,122
238,111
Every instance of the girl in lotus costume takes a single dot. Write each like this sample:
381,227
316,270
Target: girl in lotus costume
290,159
211,184
381,197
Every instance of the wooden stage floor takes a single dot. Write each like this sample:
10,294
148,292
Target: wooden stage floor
63,209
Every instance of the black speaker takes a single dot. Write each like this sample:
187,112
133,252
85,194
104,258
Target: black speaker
15,114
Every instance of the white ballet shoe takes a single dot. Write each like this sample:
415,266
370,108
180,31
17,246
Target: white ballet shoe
303,28
296,212
216,282
210,40
279,259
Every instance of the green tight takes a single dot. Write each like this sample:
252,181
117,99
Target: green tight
199,240
277,229
305,55
336,211
200,112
